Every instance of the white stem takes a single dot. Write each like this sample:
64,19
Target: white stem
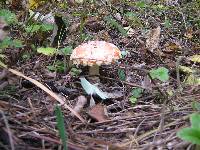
94,70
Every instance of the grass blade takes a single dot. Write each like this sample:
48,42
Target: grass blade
61,126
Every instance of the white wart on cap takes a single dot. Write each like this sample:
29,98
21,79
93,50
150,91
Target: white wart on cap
94,54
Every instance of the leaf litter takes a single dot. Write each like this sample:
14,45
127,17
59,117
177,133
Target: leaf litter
113,122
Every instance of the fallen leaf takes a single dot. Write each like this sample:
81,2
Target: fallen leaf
153,39
186,69
195,58
192,80
98,113
94,24
189,33
130,31
172,47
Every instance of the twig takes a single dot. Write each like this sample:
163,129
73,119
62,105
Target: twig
178,73
156,130
44,88
127,83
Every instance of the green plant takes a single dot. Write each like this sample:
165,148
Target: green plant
133,19
121,74
135,94
9,43
50,51
160,73
61,126
192,133
9,17
113,23
58,66
39,27
196,106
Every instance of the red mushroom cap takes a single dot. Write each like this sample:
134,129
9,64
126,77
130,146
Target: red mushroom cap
95,53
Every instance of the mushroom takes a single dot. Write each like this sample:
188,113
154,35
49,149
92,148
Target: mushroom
94,54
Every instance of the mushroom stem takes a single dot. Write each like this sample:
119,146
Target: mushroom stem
94,70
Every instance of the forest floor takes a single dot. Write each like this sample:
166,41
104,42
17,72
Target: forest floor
141,111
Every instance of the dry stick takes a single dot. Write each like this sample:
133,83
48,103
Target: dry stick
125,82
9,131
178,73
161,125
44,88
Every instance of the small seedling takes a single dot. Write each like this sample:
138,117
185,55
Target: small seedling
161,74
121,74
135,94
9,17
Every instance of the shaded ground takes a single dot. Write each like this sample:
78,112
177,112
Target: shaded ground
151,123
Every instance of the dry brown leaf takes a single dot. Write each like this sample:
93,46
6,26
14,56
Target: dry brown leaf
153,39
99,113
81,101
189,33
94,24
172,47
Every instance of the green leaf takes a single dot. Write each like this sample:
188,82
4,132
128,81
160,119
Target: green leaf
195,120
61,126
121,74
58,66
32,28
17,43
133,100
66,50
141,4
113,23
190,134
196,106
130,15
91,89
8,42
49,51
46,27
161,74
75,71
137,92
9,17
5,43
167,23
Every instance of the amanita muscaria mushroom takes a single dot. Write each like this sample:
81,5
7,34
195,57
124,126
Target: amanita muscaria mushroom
94,54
